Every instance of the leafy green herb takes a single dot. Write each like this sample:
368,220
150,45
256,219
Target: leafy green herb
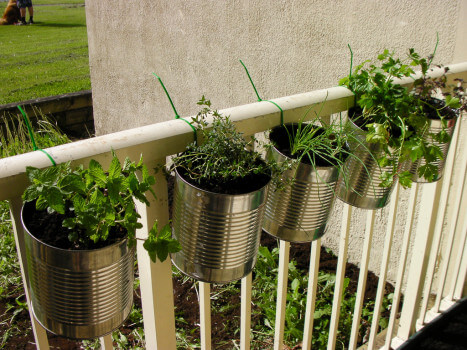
397,118
93,202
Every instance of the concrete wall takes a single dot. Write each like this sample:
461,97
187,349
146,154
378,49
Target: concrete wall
289,46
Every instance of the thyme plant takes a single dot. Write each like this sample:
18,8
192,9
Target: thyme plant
222,161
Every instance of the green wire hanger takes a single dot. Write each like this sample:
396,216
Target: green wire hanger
259,98
177,116
31,135
350,74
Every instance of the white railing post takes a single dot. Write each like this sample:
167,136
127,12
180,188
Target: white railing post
106,342
462,274
245,312
40,334
384,265
205,315
402,264
450,242
156,278
282,279
340,275
422,244
311,295
362,279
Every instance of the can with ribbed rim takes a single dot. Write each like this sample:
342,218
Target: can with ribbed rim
300,211
219,233
434,127
80,294
359,183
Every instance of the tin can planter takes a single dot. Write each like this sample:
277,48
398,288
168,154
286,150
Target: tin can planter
79,294
300,211
434,127
359,183
219,233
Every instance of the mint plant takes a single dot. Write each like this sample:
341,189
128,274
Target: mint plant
97,205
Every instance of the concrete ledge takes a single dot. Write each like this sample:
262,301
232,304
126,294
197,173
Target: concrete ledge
72,112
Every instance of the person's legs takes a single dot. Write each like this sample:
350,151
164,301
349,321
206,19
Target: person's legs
22,12
31,13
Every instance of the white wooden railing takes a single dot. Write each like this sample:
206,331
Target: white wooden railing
434,242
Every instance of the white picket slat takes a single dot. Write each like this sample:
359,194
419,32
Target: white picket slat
245,312
445,190
205,315
462,275
340,275
402,265
422,244
282,279
40,334
362,279
106,342
156,278
460,244
311,293
451,236
384,265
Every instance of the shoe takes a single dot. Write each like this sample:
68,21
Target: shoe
22,23
31,21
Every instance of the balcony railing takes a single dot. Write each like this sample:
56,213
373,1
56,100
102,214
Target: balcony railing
437,246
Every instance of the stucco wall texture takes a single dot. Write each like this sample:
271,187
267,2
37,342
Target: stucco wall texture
289,47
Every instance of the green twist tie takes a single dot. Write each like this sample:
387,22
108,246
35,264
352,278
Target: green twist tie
31,135
350,74
259,98
177,116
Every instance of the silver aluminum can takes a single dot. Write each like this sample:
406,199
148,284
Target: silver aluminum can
299,212
219,233
80,294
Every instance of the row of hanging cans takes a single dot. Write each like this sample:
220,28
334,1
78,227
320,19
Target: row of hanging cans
220,234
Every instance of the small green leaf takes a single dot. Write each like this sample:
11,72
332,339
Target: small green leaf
69,223
405,179
30,194
115,168
55,200
97,173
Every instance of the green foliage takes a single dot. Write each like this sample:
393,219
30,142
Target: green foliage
48,58
264,294
222,156
160,243
317,140
397,118
426,91
384,106
15,137
93,201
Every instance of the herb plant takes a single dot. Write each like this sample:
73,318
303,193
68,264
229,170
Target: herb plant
433,99
222,162
383,108
393,116
96,206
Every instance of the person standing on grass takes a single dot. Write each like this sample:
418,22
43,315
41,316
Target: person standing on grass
22,4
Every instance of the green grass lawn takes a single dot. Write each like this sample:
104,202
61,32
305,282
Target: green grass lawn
47,58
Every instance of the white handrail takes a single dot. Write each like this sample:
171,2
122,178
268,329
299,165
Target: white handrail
158,141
